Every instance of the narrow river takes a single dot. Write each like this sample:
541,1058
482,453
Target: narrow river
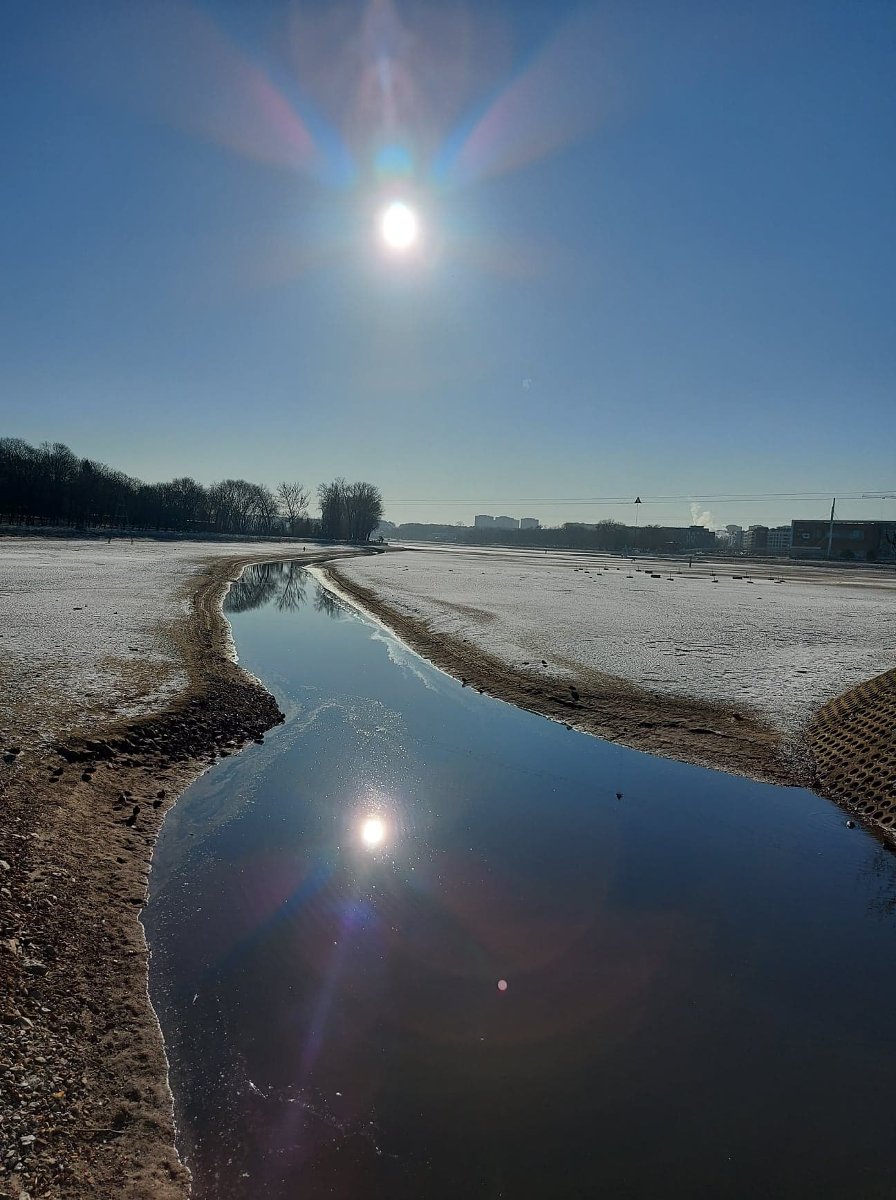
421,944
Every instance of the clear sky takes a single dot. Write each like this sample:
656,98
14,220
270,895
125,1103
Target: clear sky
656,249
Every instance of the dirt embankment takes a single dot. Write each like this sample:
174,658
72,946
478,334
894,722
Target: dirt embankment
84,1104
848,753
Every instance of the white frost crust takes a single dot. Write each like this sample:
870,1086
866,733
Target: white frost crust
782,649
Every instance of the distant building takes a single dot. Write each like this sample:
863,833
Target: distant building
735,537
868,541
756,539
698,537
416,531
506,523
483,521
530,523
779,539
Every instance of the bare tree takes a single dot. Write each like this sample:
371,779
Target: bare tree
333,516
266,511
365,508
349,510
292,501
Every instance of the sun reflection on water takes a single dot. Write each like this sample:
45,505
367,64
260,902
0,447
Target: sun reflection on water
373,832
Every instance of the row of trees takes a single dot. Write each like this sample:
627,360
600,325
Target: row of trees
605,536
50,485
349,511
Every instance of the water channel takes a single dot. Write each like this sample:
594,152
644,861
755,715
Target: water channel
423,944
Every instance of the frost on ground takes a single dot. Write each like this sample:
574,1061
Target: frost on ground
781,648
84,628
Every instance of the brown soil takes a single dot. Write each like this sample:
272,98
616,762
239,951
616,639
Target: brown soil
728,739
84,1103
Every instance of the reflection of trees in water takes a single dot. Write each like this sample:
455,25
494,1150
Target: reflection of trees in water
254,587
282,583
326,602
262,582
293,585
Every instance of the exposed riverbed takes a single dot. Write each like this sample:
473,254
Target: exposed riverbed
566,969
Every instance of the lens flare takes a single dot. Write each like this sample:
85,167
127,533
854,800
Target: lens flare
373,832
399,226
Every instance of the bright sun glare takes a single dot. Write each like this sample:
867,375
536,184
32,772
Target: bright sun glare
399,226
373,831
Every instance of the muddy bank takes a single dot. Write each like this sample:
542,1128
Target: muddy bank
84,1104
847,754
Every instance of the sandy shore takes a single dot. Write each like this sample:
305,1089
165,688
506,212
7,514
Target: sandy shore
85,1108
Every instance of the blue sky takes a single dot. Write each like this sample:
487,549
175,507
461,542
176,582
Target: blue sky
657,250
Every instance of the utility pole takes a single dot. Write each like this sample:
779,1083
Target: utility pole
637,502
831,527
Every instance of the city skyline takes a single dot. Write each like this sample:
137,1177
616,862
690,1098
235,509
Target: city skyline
753,511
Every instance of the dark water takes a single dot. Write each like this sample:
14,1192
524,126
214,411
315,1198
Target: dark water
701,980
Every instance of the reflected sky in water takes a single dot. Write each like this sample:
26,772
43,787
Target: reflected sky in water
415,946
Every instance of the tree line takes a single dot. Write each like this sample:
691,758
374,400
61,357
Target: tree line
608,535
50,485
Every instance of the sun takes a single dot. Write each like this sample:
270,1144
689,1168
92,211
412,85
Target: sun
373,832
399,226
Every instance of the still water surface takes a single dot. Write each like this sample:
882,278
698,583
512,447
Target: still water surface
415,946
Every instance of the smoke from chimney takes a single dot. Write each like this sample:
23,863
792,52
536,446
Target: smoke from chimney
701,516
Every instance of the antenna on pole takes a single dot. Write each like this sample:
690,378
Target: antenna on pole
831,526
637,502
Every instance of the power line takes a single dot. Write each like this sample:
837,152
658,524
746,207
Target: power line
691,497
